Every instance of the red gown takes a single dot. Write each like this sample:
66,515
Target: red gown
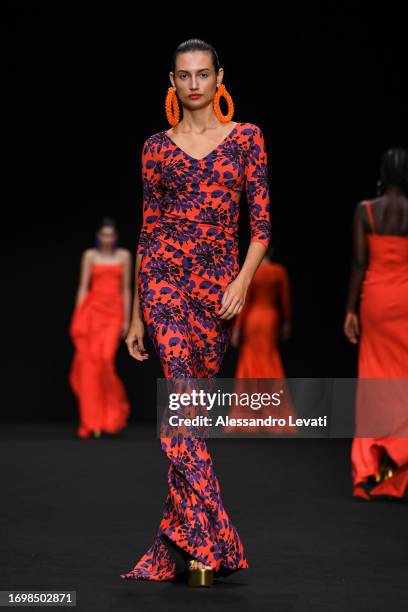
383,353
266,306
95,330
189,243
267,302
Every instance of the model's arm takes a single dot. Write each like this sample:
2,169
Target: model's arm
84,276
257,189
152,195
127,275
359,264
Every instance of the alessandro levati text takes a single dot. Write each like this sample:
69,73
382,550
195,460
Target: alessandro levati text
226,421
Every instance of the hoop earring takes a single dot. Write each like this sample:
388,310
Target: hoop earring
172,107
222,92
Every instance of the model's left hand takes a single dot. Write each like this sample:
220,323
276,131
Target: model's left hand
233,299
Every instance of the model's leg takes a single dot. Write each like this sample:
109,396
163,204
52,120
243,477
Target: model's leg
213,335
365,459
87,380
116,405
191,344
395,479
194,517
85,370
167,326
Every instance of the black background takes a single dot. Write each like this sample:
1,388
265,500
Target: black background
84,86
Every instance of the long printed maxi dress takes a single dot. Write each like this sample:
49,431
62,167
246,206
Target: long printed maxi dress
189,243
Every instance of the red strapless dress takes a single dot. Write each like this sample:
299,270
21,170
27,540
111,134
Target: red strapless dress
95,332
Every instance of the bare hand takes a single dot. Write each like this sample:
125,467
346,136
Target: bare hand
352,327
134,341
233,300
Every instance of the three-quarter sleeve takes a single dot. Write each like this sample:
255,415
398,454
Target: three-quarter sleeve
257,188
152,192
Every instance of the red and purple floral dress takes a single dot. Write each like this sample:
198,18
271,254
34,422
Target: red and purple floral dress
189,243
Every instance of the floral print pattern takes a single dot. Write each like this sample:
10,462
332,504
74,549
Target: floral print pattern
189,243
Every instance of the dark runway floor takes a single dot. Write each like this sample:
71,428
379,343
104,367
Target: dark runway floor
77,513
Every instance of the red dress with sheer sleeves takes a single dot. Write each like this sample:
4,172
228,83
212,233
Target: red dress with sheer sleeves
189,243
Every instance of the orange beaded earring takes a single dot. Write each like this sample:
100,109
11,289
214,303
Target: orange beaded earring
172,107
221,91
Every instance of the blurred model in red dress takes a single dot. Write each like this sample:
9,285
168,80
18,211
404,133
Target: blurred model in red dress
262,324
100,319
379,277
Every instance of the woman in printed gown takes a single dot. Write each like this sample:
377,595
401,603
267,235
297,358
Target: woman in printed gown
264,321
379,277
99,320
189,289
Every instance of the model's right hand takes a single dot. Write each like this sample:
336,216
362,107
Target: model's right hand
134,341
351,327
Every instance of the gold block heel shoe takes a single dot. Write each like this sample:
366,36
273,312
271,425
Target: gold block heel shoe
387,468
199,577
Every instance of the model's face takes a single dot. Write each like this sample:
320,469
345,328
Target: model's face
195,79
107,237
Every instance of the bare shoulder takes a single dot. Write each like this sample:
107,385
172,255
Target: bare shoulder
89,255
361,212
372,201
124,254
361,205
278,268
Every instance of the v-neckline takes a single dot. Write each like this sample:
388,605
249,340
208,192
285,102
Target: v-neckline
208,154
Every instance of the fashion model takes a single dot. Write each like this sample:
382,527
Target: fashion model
264,321
99,320
189,288
379,277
